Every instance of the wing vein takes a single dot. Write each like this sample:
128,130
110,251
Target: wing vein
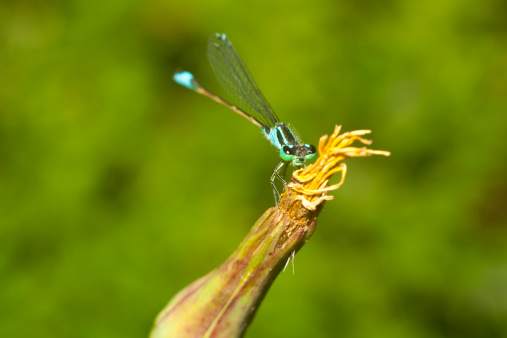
233,75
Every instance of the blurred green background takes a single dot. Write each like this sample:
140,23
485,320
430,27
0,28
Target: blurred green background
119,187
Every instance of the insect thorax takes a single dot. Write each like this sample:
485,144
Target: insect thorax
281,135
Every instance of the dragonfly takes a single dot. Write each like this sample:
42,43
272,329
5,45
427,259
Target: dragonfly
248,101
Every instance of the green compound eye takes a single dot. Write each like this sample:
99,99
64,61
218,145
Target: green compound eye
287,153
311,151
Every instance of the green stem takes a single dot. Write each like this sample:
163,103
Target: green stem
224,302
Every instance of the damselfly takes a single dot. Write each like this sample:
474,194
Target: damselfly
249,102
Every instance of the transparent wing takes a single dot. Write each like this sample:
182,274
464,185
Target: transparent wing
233,75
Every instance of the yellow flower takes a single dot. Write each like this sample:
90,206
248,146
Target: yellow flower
223,303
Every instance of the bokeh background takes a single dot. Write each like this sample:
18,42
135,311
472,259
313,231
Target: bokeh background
119,187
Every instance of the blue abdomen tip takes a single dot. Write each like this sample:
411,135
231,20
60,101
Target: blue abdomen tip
185,79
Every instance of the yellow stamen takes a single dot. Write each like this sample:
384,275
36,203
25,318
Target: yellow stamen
311,183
